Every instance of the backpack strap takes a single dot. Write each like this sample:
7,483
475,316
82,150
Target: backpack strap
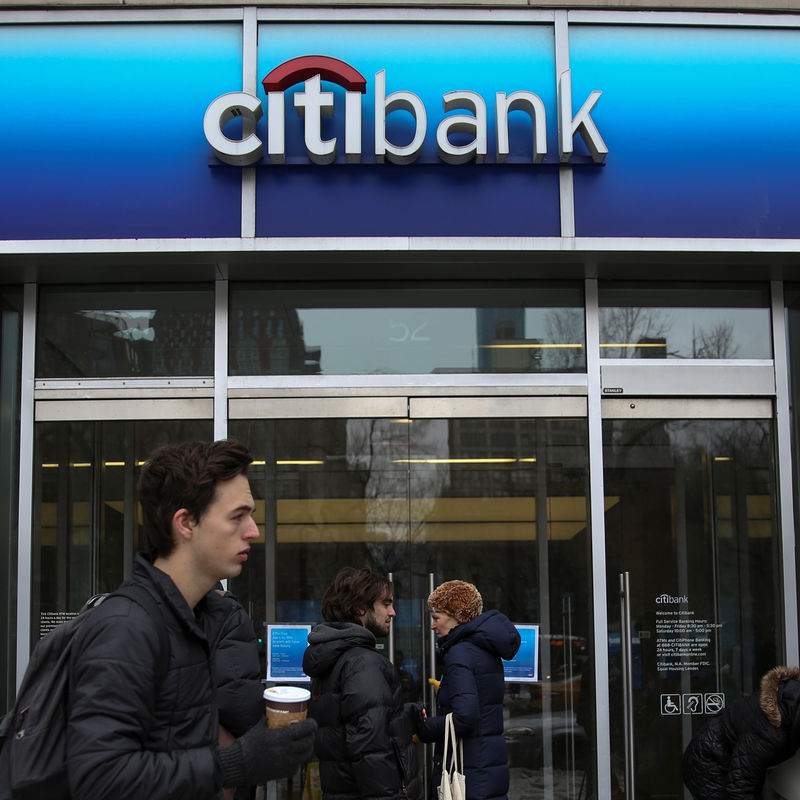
139,595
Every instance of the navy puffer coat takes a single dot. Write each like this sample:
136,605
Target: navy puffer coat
472,688
728,758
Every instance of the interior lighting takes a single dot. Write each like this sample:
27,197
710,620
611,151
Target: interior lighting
635,344
526,346
454,460
81,464
302,463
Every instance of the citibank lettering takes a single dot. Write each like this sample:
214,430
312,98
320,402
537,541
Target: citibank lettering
312,104
672,599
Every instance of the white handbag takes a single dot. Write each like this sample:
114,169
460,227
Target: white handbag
453,785
783,780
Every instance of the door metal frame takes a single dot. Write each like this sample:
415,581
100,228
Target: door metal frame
410,404
637,407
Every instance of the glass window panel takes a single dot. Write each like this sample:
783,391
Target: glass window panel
500,502
701,320
691,516
125,331
406,329
86,521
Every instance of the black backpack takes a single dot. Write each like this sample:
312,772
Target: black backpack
33,734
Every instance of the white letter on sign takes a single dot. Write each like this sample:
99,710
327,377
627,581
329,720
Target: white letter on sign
313,104
524,101
581,123
383,107
461,123
226,107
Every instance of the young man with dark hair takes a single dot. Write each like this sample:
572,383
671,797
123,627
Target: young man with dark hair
142,721
364,740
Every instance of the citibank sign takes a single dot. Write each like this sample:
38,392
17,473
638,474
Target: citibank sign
312,104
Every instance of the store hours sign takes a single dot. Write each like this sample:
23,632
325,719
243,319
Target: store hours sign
684,639
461,132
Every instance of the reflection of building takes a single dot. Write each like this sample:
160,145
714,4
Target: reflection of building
652,347
269,341
497,326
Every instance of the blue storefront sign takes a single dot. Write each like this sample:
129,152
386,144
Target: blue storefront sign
424,129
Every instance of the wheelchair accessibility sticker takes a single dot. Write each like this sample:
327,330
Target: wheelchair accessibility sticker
673,705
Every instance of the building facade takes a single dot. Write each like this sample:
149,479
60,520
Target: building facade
507,294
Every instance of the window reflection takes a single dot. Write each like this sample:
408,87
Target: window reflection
104,332
86,525
499,502
419,329
701,321
690,514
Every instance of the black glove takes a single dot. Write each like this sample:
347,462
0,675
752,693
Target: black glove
413,713
263,754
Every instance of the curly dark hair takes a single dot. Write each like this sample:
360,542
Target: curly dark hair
353,592
184,476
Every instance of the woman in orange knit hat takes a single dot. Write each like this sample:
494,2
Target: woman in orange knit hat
473,643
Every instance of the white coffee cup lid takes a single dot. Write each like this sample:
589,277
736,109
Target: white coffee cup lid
287,694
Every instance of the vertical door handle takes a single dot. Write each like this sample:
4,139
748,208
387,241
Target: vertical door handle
431,654
626,647
390,576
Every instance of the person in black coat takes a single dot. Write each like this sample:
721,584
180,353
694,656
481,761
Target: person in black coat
238,684
472,687
364,739
729,756
236,669
141,716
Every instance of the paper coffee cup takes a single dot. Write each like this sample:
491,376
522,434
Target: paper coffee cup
285,705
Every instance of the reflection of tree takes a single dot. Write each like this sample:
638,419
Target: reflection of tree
565,326
714,343
623,326
376,447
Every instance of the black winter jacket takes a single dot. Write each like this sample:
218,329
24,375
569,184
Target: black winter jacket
135,729
472,687
728,758
364,737
235,663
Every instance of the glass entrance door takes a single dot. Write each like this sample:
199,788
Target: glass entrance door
693,575
493,492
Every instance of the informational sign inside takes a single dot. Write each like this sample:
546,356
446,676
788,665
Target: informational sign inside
683,639
285,647
524,667
52,619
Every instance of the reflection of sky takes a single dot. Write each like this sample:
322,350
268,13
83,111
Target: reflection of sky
405,340
684,328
